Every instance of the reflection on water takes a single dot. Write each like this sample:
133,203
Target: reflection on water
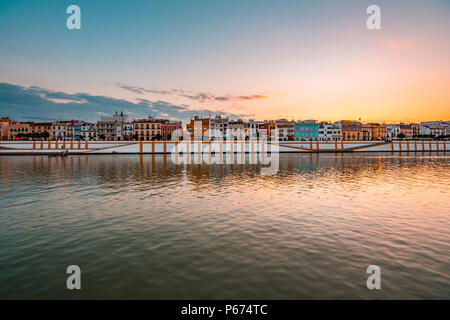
143,227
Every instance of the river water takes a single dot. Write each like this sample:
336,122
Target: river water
142,227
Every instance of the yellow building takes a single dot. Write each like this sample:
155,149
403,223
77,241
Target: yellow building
147,129
355,131
41,128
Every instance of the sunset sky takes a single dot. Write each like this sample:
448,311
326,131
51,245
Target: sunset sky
253,59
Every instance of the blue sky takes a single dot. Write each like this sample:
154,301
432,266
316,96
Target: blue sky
298,59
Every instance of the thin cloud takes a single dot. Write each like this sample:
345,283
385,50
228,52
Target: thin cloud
195,96
141,90
252,97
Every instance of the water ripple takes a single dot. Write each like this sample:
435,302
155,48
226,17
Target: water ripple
143,227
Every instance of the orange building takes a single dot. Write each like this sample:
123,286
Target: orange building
366,130
351,130
378,131
16,130
355,131
198,128
271,126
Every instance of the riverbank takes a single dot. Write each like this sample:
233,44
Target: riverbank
166,147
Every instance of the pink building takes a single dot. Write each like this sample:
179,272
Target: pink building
407,130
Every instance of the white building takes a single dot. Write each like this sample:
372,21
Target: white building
218,127
253,130
236,130
437,131
110,128
88,131
435,128
330,132
62,130
285,129
434,123
392,131
424,130
127,131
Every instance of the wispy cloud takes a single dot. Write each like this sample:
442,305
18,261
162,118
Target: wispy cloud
28,103
196,96
204,97
141,90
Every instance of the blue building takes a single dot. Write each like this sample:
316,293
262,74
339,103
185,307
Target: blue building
306,130
77,131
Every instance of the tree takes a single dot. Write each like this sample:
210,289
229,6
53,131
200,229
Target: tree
45,135
102,137
401,136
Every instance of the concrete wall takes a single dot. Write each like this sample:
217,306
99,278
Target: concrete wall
99,147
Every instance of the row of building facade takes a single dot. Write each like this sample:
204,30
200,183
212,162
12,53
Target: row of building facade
119,128
114,128
307,130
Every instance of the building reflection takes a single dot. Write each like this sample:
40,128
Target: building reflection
117,171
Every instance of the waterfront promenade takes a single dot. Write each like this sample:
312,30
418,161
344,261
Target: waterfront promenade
165,147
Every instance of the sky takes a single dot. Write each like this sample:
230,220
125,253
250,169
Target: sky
251,59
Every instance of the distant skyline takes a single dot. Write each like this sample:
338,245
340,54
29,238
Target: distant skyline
245,59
